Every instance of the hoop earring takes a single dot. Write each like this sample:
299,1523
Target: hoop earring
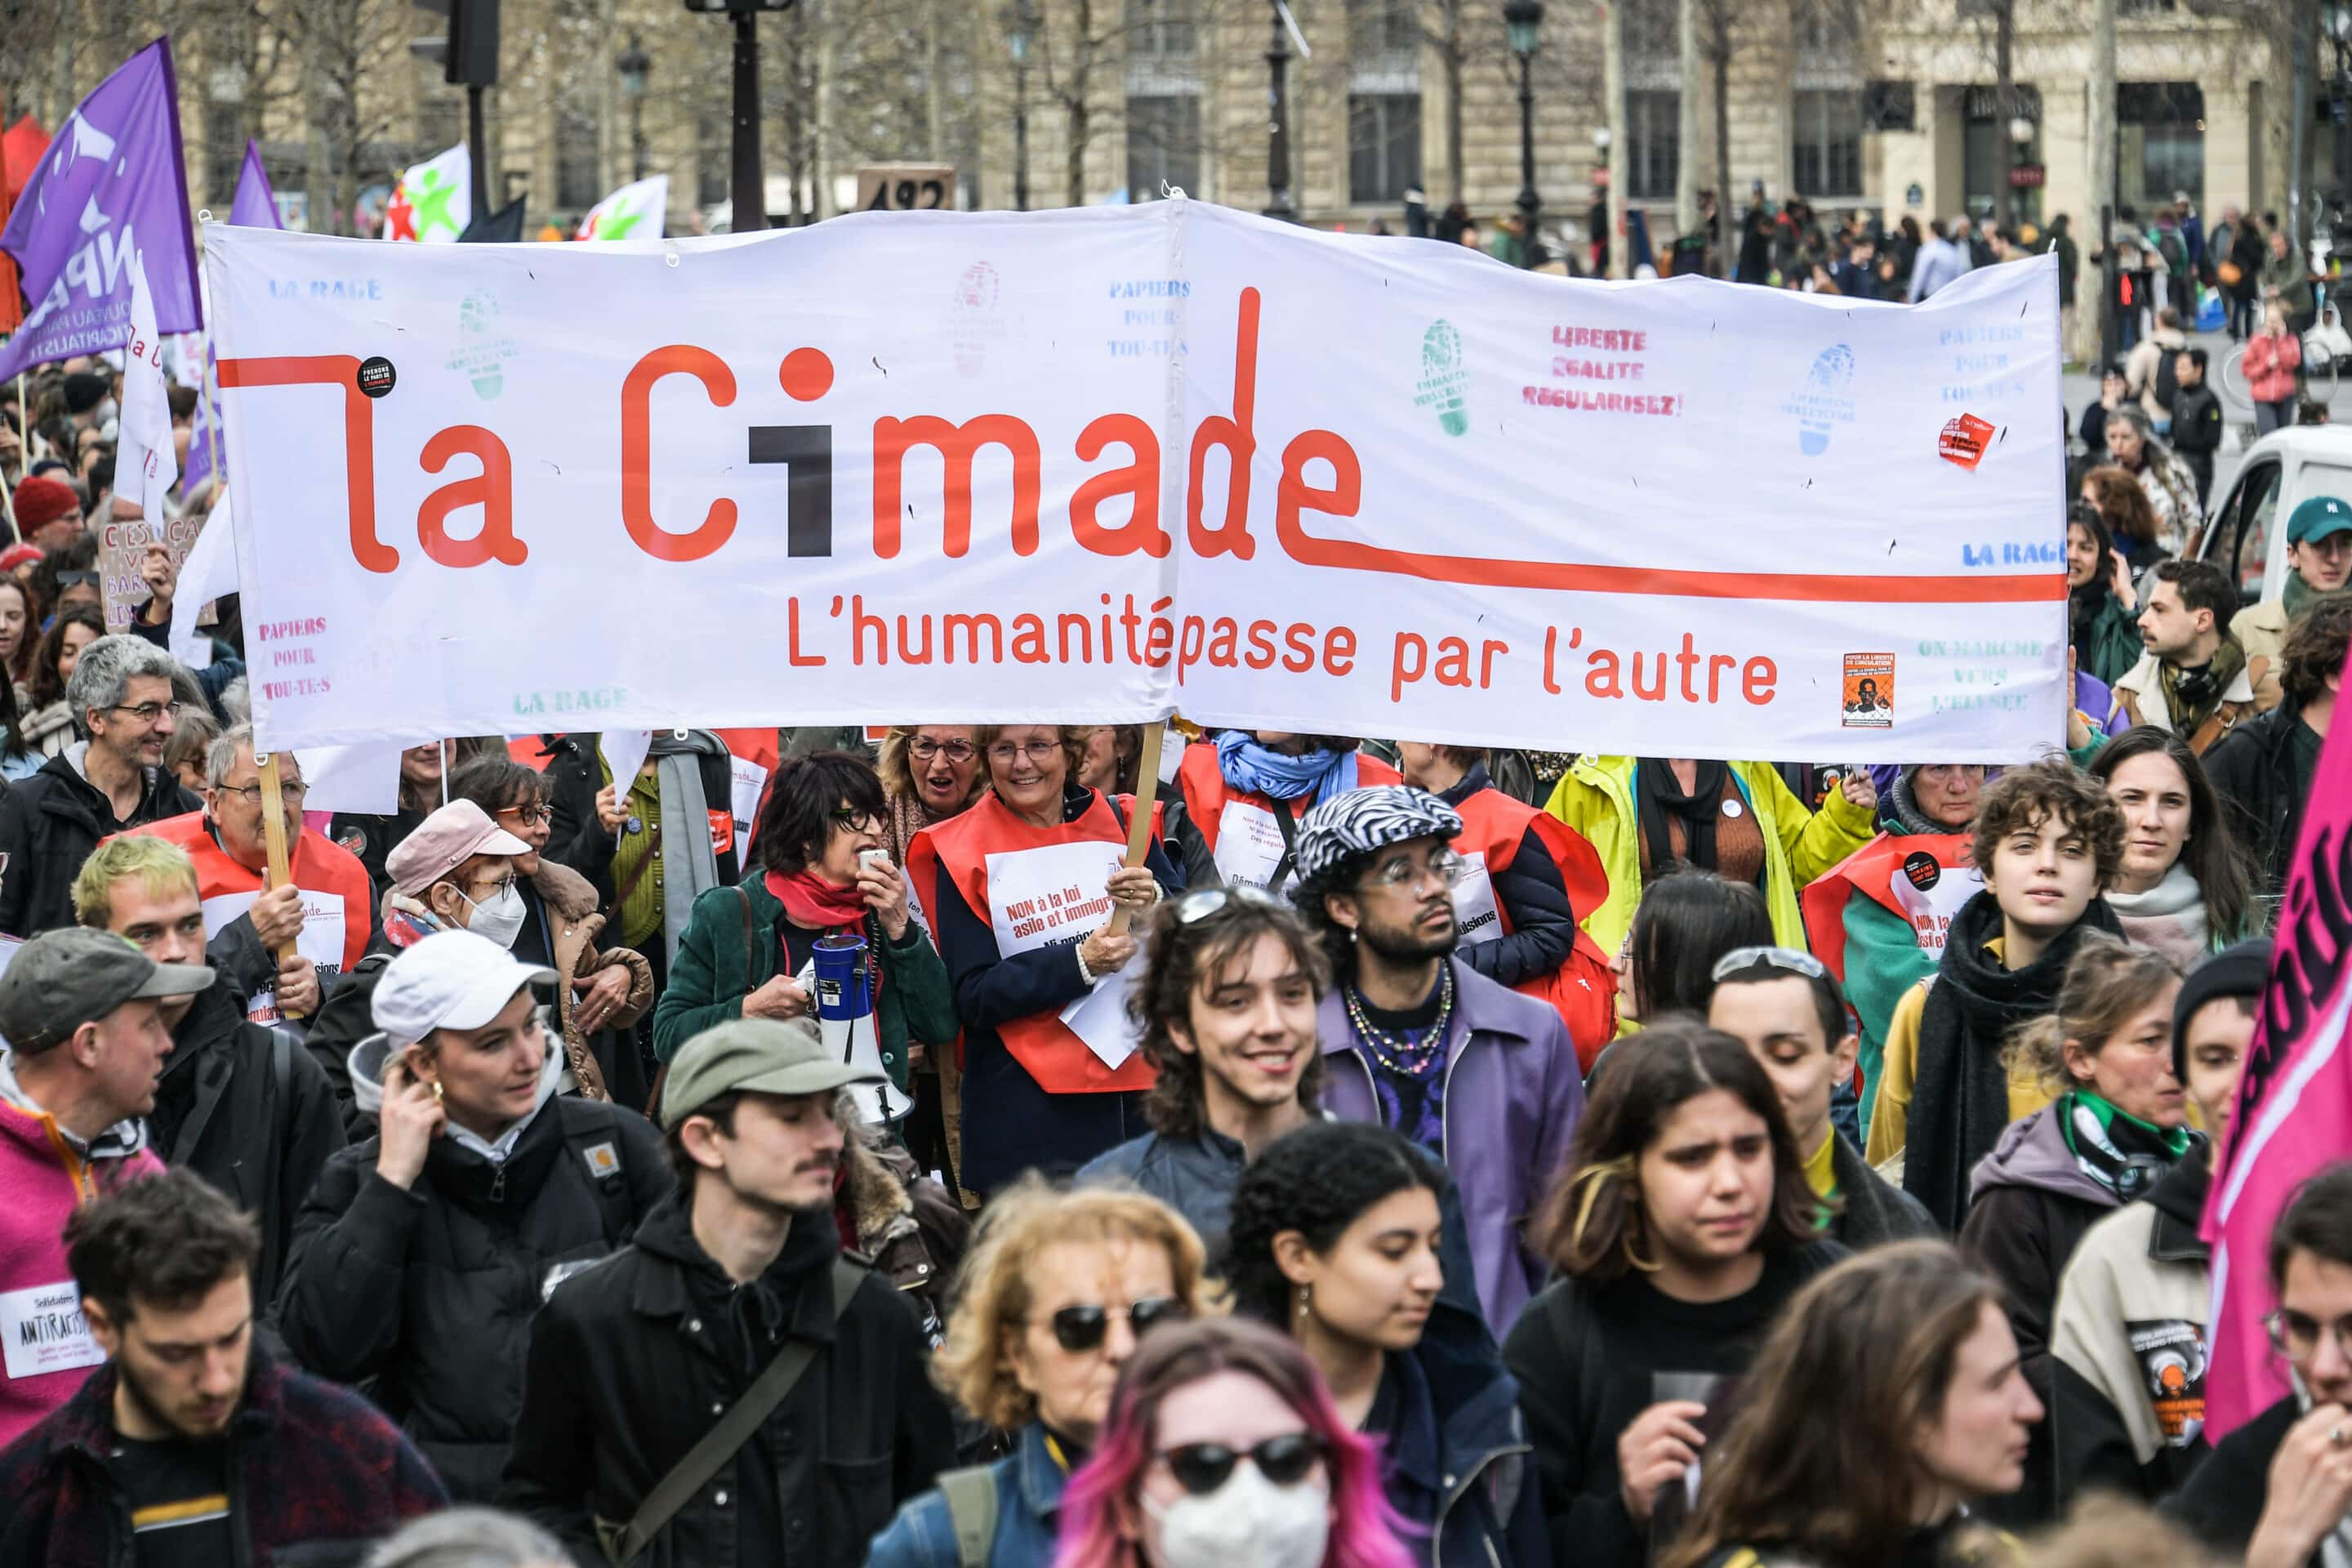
1625,1244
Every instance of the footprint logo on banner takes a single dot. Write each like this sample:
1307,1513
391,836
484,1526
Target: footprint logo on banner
976,321
1444,379
485,345
1824,402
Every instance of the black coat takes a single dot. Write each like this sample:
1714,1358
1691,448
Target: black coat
575,775
1534,894
629,1367
2252,769
2197,420
371,836
2223,1500
431,1291
346,1016
49,824
247,1108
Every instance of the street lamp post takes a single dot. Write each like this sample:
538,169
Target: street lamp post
1024,31
2337,19
1279,203
748,196
634,68
1523,19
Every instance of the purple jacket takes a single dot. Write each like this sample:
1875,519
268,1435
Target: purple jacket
1513,1094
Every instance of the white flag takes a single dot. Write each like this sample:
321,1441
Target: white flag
208,574
633,212
433,201
145,465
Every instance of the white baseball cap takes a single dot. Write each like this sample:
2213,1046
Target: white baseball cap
451,980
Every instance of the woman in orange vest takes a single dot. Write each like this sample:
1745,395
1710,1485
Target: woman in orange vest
1244,791
1020,890
1527,878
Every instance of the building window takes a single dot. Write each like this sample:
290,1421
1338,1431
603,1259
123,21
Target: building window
2161,128
578,181
1163,144
1653,143
224,152
1828,143
1652,29
713,159
1383,145
1162,31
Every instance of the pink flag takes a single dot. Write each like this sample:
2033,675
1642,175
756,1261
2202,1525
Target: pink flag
2295,1106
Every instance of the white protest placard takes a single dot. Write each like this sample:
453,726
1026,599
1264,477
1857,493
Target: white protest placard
1054,893
1093,465
42,1330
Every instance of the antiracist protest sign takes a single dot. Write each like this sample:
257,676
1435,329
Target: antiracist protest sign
1098,465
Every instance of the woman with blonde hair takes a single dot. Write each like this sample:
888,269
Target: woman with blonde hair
2117,1123
1057,1292
1886,1399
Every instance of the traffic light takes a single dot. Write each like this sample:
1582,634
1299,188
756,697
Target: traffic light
468,55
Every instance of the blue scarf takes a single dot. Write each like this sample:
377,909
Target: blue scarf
1253,770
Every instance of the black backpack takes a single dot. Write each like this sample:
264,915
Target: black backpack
2167,377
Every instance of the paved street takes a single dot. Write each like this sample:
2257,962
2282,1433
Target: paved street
2082,387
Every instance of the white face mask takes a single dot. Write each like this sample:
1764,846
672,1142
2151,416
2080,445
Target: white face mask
500,920
1249,1522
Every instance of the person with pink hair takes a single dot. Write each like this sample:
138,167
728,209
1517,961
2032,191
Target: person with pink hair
1222,1450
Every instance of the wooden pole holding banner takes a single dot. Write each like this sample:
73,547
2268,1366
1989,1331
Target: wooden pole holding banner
273,838
1146,794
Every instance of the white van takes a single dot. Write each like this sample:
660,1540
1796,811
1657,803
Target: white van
2245,534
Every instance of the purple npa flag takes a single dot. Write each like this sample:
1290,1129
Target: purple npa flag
201,437
257,204
111,183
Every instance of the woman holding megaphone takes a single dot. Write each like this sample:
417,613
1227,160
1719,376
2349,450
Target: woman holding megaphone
822,871
1021,890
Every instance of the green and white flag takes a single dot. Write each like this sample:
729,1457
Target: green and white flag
433,201
633,212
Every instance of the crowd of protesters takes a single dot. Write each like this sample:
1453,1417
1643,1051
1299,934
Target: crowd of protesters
1523,1159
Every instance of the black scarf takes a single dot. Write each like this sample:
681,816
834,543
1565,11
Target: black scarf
2087,602
1959,1096
1659,794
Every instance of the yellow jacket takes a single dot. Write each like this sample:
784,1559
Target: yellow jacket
1890,1104
1596,798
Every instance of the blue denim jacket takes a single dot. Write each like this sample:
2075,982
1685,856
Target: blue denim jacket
1029,1484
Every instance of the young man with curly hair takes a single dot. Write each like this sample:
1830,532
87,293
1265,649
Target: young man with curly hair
2047,841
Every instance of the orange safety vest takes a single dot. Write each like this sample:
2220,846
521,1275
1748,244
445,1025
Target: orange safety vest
1582,990
1919,878
335,895
1211,802
958,852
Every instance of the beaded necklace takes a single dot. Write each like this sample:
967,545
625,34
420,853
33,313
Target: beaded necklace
1404,1056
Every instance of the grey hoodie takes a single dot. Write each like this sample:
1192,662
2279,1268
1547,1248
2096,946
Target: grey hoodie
2033,1152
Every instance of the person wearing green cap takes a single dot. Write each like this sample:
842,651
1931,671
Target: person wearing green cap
635,1363
2318,560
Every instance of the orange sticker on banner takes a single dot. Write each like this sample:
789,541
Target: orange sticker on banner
1869,695
722,831
1964,441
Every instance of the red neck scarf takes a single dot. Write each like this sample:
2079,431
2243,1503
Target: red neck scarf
814,904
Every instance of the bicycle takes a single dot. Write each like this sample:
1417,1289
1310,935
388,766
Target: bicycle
2323,367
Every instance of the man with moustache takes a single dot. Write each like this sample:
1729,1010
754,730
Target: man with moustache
193,1447
1484,1078
730,1388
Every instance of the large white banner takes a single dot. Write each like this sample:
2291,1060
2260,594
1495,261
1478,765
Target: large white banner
1101,465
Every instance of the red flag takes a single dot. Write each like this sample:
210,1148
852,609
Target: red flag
21,146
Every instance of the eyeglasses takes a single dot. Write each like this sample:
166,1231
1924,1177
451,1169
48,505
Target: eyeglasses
1787,958
291,793
1082,1328
530,815
855,819
77,579
2296,1336
1397,873
923,750
497,890
1202,1467
1035,751
148,713
1202,902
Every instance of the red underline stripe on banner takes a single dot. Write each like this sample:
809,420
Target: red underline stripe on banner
1570,576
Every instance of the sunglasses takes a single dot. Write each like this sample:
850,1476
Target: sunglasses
1202,1467
1787,958
1082,1328
1202,902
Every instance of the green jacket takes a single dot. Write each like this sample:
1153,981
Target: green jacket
717,967
1596,798
2112,645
